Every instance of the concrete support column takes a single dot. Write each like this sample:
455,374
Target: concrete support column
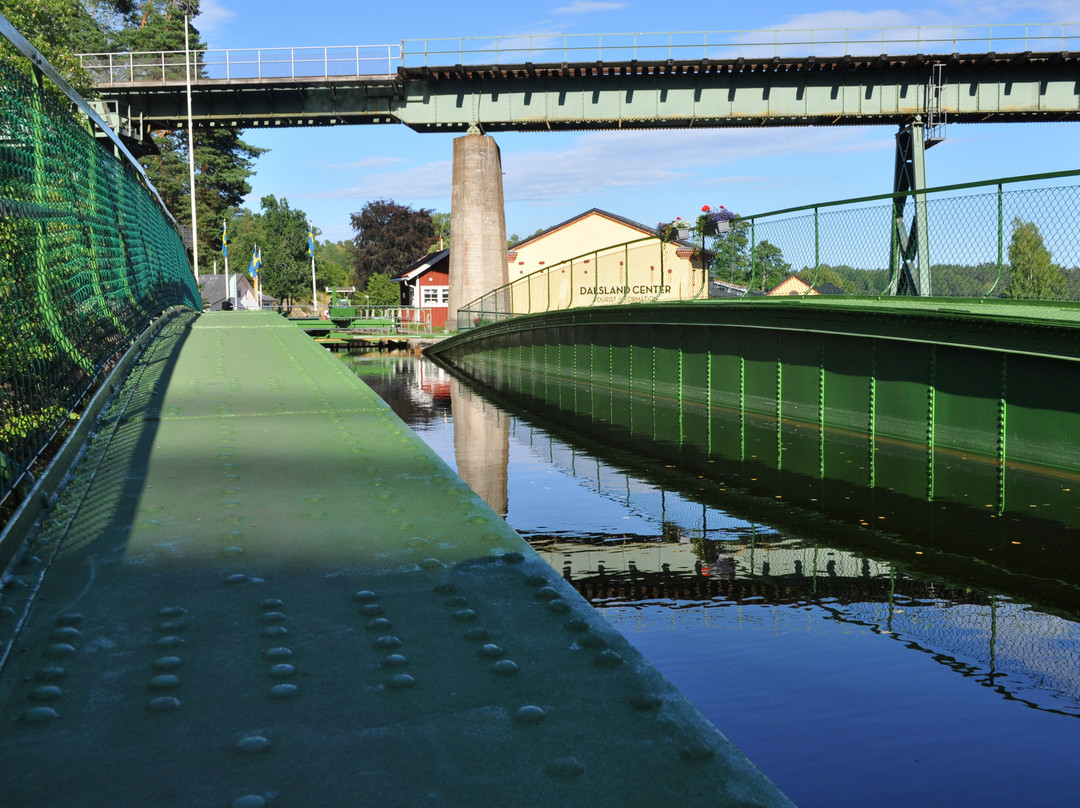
477,223
481,446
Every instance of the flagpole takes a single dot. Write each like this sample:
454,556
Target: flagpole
311,252
225,252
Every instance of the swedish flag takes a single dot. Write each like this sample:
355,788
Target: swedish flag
310,242
253,266
225,239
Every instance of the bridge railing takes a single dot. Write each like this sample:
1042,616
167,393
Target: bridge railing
89,258
645,270
338,61
1014,237
697,45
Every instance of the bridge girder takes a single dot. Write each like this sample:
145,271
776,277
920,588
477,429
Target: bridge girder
813,91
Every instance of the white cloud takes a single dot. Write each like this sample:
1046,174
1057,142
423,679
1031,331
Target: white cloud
213,16
600,162
588,7
425,183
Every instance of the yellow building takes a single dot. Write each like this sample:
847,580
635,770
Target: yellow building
599,258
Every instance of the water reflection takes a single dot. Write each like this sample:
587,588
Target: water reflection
773,618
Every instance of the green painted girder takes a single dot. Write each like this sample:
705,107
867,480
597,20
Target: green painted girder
737,92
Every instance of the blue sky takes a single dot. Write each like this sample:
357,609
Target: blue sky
646,175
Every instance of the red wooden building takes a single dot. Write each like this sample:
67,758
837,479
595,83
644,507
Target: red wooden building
425,284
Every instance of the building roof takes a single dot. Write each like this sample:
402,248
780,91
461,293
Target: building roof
645,229
420,267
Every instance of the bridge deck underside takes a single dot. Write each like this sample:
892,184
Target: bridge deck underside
259,583
739,92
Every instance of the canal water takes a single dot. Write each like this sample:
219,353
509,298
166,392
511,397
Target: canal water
853,669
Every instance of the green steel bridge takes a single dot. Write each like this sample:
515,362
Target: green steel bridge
232,575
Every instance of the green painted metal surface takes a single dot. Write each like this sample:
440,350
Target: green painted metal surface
722,91
897,407
260,587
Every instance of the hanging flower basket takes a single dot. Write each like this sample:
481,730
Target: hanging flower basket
715,222
715,228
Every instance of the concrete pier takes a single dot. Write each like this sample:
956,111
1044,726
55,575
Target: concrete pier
477,222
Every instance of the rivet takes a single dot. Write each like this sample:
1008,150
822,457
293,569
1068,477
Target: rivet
513,557
172,611
281,670
271,603
59,649
576,625
400,681
378,624
608,659
253,744
236,578
166,663
163,704
233,551
45,693
535,580
506,667
431,564
490,650
364,595
249,801
169,641
394,661
530,714
557,605
457,600
388,641
274,617
372,609
477,635
646,701
39,715
69,620
65,633
592,641
274,631
284,691
277,653
545,593
174,625
463,615
51,673
565,767
696,751
165,681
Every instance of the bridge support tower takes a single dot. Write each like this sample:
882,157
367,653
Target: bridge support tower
477,222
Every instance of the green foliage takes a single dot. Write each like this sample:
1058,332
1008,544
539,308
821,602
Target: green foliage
1032,275
388,238
769,267
60,29
827,274
441,222
382,291
333,263
286,270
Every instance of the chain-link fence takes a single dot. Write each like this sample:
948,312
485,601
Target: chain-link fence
89,259
640,271
1014,237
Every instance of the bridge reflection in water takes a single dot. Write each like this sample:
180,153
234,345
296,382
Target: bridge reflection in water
681,548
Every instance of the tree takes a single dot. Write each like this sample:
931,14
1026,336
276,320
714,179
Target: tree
333,263
769,267
60,29
381,291
286,271
388,238
441,221
223,162
1032,275
826,274
730,261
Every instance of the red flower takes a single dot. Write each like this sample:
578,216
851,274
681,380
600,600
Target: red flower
706,208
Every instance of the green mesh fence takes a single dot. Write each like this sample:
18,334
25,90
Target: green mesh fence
89,259
1013,237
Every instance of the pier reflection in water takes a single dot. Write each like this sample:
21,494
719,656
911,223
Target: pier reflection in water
853,667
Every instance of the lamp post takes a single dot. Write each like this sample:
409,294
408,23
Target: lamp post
188,7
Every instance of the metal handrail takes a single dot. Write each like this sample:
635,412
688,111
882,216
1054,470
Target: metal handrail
332,61
697,45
